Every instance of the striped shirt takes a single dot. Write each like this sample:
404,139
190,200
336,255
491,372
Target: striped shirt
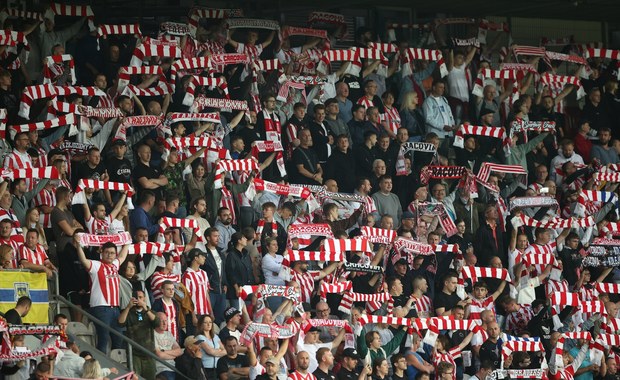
158,279
197,284
35,256
306,283
45,198
105,283
99,226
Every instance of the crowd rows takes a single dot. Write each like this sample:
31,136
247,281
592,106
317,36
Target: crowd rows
272,210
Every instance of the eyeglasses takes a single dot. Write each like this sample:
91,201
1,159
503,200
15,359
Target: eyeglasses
323,311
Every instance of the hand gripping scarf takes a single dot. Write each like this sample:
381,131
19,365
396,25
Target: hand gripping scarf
485,25
54,67
231,165
79,197
91,240
304,233
283,190
350,297
593,196
559,348
468,129
441,172
347,245
474,273
202,102
32,93
592,52
68,119
350,55
487,167
292,255
167,222
408,147
512,76
412,54
288,31
220,82
154,50
136,121
73,11
195,65
105,30
374,55
338,287
196,13
269,147
559,81
49,172
125,73
378,235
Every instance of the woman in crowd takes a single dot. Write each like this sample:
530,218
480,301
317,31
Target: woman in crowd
211,345
33,221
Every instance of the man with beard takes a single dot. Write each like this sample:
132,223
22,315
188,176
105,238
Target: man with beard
233,365
491,348
272,368
303,363
365,155
223,223
605,153
92,168
325,358
321,136
348,371
214,266
119,167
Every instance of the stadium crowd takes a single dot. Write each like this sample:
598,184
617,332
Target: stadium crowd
277,208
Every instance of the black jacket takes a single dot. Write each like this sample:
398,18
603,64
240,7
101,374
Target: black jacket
217,281
341,167
190,367
320,140
238,270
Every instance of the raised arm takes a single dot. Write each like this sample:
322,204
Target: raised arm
269,39
119,205
86,263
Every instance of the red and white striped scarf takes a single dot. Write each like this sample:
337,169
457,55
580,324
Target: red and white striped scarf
412,54
11,39
347,245
233,165
220,82
202,102
509,75
168,222
304,233
126,72
374,55
260,226
228,201
330,56
485,25
386,320
559,81
49,172
556,223
154,50
72,11
593,196
288,31
487,167
292,255
468,129
80,198
348,298
54,67
191,66
18,13
335,287
606,176
591,52
149,248
32,93
68,119
105,30
474,273
197,13
268,147
378,235
175,29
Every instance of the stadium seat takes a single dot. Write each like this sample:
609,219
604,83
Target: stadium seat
81,331
119,355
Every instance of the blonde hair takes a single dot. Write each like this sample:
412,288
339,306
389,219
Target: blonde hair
407,100
6,253
91,369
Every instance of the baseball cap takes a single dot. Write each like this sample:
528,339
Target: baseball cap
273,360
230,312
191,340
350,353
313,329
117,142
408,215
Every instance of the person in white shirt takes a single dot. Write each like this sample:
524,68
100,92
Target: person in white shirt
439,118
311,345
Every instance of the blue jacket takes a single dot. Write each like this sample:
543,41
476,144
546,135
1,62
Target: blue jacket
139,218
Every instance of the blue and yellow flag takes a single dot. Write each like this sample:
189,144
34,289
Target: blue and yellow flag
34,285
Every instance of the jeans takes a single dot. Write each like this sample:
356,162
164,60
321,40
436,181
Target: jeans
168,375
109,316
218,303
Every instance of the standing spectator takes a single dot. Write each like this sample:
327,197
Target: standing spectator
303,364
238,268
211,346
348,370
198,209
583,144
311,345
147,177
345,112
91,168
447,298
365,155
322,137
196,182
489,240
596,111
21,197
390,118
295,124
566,154
14,316
492,347
140,218
141,323
166,348
603,152
215,268
437,112
19,158
336,125
371,347
104,289
196,281
341,165
309,170
223,223
387,202
358,125
411,116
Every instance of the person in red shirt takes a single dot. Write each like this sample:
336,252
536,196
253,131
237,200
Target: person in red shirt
32,255
104,289
583,144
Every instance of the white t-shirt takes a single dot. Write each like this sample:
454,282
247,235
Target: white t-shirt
311,349
457,83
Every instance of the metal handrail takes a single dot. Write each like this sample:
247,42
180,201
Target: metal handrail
131,343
